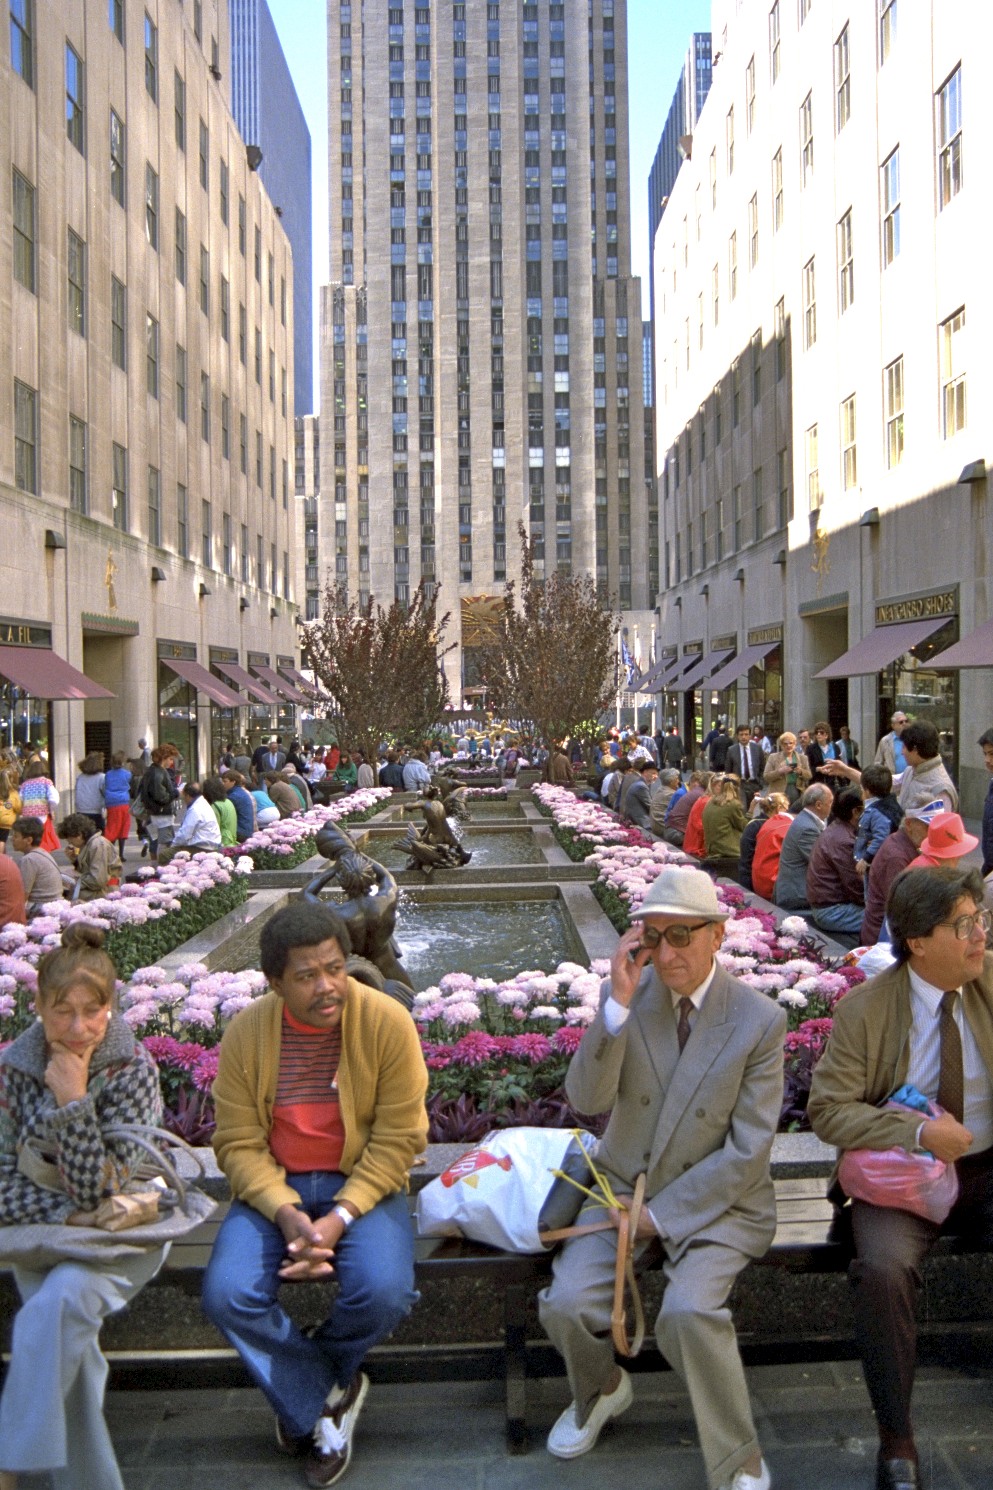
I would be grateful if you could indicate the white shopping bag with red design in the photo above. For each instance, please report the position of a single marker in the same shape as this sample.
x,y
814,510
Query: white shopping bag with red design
x,y
503,1192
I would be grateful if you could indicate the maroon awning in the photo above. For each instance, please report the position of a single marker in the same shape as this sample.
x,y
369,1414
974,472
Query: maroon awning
x,y
44,674
251,685
974,650
280,684
297,679
675,670
204,682
699,676
733,670
881,647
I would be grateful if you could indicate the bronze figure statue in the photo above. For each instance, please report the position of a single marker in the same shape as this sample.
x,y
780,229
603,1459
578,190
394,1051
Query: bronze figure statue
x,y
435,845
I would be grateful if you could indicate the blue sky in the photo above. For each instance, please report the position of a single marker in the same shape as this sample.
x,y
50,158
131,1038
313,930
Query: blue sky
x,y
658,33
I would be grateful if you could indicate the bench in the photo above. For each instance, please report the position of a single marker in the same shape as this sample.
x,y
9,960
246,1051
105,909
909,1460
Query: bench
x,y
477,1318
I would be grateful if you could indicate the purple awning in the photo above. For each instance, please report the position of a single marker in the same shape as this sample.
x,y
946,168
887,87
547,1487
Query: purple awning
x,y
243,680
881,647
733,670
974,650
204,682
44,674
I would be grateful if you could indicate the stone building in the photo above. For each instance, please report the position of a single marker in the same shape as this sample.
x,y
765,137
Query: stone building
x,y
820,310
481,335
146,391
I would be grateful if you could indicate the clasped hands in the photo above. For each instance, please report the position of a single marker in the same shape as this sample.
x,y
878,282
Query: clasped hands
x,y
309,1244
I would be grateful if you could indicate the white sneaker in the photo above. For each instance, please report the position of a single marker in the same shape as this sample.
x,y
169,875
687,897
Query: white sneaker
x,y
568,1440
742,1480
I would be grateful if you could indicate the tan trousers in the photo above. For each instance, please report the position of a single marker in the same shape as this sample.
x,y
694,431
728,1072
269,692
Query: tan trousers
x,y
694,1330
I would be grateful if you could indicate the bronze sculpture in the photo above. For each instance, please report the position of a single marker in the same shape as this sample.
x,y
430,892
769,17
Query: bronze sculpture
x,y
435,845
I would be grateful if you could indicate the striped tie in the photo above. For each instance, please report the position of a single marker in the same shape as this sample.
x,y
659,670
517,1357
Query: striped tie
x,y
951,1082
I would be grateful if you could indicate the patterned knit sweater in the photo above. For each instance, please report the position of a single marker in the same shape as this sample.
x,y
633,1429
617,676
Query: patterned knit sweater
x,y
123,1088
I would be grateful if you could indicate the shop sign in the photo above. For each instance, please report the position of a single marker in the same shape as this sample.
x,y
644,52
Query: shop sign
x,y
223,654
185,651
14,633
765,636
918,607
693,649
668,654
724,643
257,659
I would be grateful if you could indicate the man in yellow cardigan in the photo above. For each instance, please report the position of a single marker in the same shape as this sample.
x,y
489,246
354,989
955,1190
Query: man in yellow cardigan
x,y
320,1111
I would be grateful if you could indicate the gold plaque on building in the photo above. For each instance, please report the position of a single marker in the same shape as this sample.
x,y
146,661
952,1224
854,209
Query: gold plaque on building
x,y
481,616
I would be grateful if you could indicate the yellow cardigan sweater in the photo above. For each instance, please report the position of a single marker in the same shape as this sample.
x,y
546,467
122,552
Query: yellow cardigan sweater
x,y
382,1082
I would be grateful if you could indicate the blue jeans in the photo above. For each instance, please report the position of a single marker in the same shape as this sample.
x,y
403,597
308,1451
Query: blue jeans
x,y
374,1269
840,918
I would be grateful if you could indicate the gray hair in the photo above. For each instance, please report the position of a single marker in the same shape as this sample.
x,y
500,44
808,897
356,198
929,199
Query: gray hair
x,y
816,793
669,777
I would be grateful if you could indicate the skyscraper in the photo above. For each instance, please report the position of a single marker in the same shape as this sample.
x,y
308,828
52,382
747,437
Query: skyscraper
x,y
481,331
269,116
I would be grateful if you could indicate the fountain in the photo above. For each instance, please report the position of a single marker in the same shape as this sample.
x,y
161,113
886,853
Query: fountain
x,y
438,843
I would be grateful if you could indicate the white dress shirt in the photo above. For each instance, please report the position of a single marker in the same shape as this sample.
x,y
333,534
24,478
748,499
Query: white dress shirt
x,y
199,827
615,1015
925,1060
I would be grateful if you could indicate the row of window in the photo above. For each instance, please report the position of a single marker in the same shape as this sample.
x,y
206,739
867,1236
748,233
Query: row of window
x,y
727,527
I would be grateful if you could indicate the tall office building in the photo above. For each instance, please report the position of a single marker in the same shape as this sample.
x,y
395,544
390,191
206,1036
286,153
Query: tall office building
x,y
268,113
481,333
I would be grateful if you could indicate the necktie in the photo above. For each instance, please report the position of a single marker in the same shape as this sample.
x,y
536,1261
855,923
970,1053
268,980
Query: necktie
x,y
683,1027
951,1084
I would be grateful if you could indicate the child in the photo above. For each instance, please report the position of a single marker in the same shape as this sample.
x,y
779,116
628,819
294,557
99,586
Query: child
x,y
881,816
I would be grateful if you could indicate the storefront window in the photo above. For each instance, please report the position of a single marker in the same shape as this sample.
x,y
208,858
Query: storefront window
x,y
259,726
925,692
23,719
224,732
178,719
765,694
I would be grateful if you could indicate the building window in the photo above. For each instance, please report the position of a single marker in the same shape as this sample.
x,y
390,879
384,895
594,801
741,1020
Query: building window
x,y
757,505
780,335
180,247
117,19
849,465
949,103
750,96
151,206
246,558
272,473
806,139
154,508
735,393
198,19
258,356
890,191
225,426
181,383
732,266
893,398
182,521
226,556
715,292
151,58
242,335
805,9
119,487
952,334
75,117
272,280
737,521
24,231
756,368
729,139
21,42
205,407
784,512
179,88
77,464
258,459
224,192
713,178
774,42
809,306
258,255
25,438
225,309
117,174
777,190
76,282
814,497
118,324
753,231
842,82
152,355
887,29
204,156
243,444
206,536
846,264
242,220
204,280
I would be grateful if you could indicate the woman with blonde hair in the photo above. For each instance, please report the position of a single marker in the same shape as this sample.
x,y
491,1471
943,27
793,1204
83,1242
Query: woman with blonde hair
x,y
10,801
769,844
724,821
787,770
66,1083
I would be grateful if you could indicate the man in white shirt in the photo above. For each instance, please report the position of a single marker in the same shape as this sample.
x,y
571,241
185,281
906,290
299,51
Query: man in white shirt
x,y
926,1022
199,828
416,775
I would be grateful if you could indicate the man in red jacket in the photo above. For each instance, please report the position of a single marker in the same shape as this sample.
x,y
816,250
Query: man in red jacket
x,y
12,904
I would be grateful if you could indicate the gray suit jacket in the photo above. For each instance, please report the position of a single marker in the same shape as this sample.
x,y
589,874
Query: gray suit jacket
x,y
790,892
700,1124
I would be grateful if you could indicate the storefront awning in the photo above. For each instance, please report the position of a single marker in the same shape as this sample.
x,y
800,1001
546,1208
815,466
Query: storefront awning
x,y
44,674
646,683
250,685
699,675
280,684
673,669
204,682
734,669
298,680
974,650
881,647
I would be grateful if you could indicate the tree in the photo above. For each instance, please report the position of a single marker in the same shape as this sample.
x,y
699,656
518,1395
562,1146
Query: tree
x,y
552,666
381,668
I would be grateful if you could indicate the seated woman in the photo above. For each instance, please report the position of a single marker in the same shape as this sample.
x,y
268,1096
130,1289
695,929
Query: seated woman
x,y
762,810
215,793
724,821
769,843
73,1073
266,811
94,858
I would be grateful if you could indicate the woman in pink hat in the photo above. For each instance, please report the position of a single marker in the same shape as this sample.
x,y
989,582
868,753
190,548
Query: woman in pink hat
x,y
946,839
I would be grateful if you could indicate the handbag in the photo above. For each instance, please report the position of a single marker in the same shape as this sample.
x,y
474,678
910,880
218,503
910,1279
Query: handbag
x,y
899,1180
179,1206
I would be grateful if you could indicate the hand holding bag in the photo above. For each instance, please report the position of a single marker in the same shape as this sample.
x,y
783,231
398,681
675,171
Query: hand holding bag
x,y
915,1182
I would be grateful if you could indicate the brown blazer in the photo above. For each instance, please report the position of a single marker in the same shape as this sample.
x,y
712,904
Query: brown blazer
x,y
868,1055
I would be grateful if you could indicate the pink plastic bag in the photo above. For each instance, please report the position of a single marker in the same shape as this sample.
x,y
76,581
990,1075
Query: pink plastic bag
x,y
919,1183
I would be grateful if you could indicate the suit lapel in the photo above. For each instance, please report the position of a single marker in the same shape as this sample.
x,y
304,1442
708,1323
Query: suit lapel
x,y
657,1026
711,1032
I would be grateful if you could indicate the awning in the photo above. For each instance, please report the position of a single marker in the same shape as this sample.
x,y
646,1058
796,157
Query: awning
x,y
647,683
280,684
974,650
44,674
299,681
881,647
243,680
676,667
203,682
699,675
733,670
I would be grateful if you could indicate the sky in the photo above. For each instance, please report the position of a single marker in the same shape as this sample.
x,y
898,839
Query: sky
x,y
658,35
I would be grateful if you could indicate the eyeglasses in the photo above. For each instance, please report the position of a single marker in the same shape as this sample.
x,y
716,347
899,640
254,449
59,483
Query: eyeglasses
x,y
676,936
964,926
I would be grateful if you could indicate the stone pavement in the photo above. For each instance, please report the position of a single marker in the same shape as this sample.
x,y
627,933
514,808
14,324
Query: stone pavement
x,y
814,1422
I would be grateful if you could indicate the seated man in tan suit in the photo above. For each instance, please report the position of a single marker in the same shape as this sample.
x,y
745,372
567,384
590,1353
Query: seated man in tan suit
x,y
690,1060
928,1021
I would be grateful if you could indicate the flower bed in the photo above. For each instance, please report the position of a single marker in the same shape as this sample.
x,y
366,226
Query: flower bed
x,y
490,793
293,840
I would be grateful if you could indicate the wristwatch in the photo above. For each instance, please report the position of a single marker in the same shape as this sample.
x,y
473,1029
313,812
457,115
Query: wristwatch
x,y
345,1216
